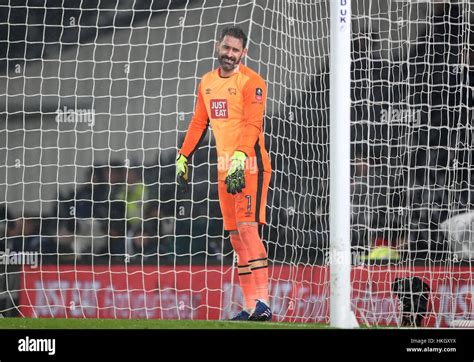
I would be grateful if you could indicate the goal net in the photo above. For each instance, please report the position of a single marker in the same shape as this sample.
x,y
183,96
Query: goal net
x,y
96,99
412,129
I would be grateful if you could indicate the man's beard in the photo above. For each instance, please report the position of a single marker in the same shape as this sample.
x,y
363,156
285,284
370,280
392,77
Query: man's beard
x,y
228,64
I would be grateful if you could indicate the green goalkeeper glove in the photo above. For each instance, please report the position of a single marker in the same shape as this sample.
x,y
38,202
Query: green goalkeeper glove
x,y
182,173
235,179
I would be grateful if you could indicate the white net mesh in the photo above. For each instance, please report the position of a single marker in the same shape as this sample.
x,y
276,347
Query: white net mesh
x,y
96,98
412,151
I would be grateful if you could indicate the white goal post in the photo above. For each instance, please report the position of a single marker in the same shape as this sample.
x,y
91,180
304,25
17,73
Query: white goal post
x,y
341,314
368,124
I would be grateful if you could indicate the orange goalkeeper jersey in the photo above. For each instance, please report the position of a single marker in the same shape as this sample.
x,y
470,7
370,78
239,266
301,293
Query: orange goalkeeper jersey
x,y
234,106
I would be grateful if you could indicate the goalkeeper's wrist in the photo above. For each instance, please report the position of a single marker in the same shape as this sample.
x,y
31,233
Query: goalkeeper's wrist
x,y
239,155
181,155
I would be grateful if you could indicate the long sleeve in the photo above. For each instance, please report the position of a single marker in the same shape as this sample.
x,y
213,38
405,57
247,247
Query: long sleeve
x,y
254,95
197,128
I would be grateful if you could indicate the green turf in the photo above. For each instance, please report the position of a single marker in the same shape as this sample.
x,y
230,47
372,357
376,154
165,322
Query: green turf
x,y
60,323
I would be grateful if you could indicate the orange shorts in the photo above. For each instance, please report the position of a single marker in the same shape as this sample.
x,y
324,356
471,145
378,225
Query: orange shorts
x,y
248,205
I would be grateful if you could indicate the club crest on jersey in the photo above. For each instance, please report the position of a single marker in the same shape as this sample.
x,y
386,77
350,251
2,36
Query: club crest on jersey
x,y
219,108
258,94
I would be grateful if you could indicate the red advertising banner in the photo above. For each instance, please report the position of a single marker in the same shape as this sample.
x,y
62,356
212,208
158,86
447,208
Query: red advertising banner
x,y
298,293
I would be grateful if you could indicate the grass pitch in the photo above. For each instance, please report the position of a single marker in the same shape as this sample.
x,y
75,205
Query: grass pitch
x,y
63,323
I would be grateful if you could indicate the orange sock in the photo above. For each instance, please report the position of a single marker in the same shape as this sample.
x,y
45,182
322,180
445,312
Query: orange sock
x,y
246,280
258,258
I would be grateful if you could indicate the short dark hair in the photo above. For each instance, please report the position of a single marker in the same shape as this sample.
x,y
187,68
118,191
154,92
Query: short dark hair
x,y
234,32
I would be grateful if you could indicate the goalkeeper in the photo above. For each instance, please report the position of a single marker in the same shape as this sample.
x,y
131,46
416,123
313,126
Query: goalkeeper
x,y
232,99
